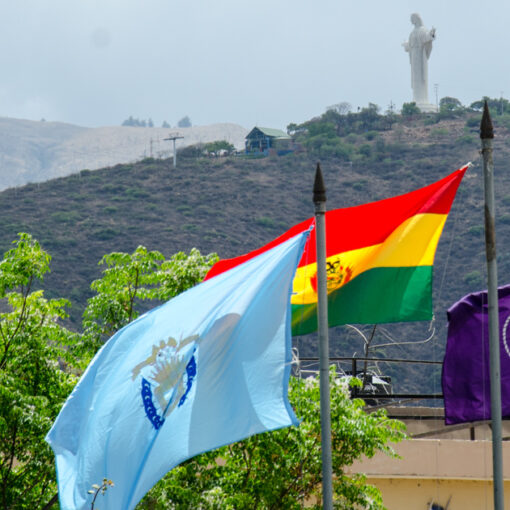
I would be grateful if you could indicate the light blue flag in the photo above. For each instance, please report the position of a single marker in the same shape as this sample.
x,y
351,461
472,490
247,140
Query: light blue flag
x,y
208,368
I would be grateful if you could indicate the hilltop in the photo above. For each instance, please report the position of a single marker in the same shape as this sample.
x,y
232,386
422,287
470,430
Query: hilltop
x,y
233,205
38,151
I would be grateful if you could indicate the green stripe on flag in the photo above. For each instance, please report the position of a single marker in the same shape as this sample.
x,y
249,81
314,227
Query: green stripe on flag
x,y
379,295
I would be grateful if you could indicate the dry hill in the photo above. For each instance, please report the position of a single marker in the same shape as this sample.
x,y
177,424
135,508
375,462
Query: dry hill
x,y
37,151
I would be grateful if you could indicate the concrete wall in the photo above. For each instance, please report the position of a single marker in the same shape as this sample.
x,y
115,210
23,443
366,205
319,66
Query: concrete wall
x,y
413,494
437,470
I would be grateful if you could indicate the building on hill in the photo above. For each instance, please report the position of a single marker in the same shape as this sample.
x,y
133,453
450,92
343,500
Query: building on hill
x,y
264,140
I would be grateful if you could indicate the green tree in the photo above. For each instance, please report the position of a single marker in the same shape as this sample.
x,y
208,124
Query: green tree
x,y
292,128
369,117
35,376
130,121
391,115
37,372
184,122
218,147
450,104
237,476
192,151
320,136
342,108
181,272
127,280
38,356
131,279
282,469
450,107
410,110
497,106
133,122
365,150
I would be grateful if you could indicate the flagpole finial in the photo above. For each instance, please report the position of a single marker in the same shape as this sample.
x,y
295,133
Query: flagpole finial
x,y
486,128
319,190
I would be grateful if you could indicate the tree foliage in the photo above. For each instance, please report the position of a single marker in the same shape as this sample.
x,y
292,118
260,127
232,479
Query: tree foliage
x,y
451,104
324,136
342,108
282,469
184,122
191,151
497,106
131,279
39,366
410,109
35,376
135,122
38,355
449,108
391,114
218,148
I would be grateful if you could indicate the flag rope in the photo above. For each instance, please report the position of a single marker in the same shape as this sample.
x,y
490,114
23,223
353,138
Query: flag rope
x,y
437,301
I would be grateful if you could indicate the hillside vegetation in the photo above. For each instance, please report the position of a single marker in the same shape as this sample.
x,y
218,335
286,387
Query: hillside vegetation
x,y
233,205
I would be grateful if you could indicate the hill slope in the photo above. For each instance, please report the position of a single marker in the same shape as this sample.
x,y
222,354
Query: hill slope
x,y
37,151
234,205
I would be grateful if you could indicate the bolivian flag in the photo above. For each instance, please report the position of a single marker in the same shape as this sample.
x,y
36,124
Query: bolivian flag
x,y
379,263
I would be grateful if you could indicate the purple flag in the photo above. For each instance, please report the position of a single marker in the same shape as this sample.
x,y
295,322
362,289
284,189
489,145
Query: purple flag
x,y
466,371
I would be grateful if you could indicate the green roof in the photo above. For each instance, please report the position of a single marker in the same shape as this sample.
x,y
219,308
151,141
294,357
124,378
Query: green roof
x,y
273,133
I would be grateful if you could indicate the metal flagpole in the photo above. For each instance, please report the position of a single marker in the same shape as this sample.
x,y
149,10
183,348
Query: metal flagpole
x,y
487,134
319,199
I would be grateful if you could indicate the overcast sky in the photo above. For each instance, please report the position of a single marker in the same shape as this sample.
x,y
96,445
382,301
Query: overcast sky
x,y
267,63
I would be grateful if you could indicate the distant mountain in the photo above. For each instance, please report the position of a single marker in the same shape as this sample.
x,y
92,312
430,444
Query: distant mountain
x,y
37,151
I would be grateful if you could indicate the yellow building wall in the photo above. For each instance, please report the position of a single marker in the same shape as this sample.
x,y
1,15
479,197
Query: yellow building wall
x,y
435,471
414,494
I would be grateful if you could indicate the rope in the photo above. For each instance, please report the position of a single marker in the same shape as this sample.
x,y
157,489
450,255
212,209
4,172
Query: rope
x,y
454,229
432,337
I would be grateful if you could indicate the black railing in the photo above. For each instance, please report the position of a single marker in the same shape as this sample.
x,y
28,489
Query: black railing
x,y
379,395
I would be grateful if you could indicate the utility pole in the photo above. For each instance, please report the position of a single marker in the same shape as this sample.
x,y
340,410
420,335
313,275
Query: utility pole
x,y
173,138
487,135
436,88
319,199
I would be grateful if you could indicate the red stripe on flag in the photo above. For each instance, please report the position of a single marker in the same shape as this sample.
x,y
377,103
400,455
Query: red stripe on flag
x,y
363,225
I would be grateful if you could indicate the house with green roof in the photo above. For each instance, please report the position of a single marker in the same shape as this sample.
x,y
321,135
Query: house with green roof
x,y
262,140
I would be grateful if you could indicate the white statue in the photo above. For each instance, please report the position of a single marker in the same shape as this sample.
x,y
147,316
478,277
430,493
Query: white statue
x,y
419,48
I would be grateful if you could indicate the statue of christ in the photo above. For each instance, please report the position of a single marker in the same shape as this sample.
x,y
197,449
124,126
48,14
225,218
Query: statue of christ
x,y
419,47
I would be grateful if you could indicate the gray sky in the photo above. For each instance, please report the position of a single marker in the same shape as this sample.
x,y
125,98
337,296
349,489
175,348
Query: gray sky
x,y
267,63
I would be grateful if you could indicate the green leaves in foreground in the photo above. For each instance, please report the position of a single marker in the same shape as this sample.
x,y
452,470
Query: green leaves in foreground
x,y
40,361
131,279
282,469
34,378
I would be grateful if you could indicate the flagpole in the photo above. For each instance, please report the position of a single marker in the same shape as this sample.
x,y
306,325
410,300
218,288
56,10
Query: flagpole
x,y
486,135
319,199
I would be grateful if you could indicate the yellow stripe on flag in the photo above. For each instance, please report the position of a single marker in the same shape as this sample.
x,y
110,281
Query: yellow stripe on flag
x,y
412,243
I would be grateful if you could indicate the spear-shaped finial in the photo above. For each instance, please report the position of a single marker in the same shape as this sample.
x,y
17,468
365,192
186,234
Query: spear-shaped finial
x,y
487,135
319,199
486,128
319,190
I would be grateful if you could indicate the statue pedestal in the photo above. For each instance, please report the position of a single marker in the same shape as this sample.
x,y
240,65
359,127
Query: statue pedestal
x,y
427,107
